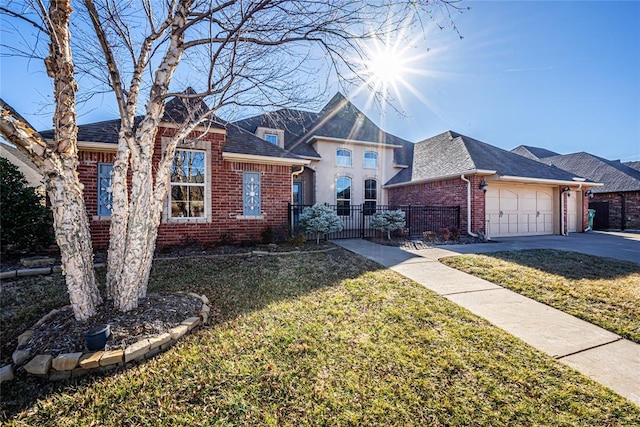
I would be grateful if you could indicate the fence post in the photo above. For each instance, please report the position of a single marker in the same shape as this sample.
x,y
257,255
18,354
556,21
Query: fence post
x,y
410,225
290,218
362,221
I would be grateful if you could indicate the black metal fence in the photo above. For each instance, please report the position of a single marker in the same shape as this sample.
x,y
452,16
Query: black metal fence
x,y
356,219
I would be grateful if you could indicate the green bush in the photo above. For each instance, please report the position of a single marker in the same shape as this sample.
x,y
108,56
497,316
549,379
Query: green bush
x,y
25,222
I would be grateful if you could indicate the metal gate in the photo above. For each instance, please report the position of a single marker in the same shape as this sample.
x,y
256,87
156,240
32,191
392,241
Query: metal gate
x,y
356,219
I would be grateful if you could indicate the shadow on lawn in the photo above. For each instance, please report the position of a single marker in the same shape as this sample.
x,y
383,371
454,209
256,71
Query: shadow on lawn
x,y
234,285
571,265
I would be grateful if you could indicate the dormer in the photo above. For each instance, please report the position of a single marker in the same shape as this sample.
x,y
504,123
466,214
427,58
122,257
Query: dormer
x,y
271,135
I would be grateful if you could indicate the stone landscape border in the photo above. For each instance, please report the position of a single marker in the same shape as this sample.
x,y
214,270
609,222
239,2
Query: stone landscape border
x,y
74,365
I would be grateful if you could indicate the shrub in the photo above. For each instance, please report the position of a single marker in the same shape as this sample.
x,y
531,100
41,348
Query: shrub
x,y
320,219
455,234
388,221
445,233
429,236
26,223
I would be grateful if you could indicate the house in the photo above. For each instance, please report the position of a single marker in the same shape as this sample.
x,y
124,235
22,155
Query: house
x,y
501,193
633,165
350,156
617,201
226,183
25,165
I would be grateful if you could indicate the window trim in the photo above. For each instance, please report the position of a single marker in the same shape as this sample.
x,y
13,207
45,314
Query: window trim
x,y
198,145
368,209
364,160
101,213
245,212
338,156
275,135
340,210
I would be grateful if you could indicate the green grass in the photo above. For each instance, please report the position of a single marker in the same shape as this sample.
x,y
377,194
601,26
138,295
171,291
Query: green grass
x,y
325,339
602,291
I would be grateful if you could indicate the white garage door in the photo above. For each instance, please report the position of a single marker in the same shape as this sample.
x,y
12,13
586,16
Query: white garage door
x,y
519,210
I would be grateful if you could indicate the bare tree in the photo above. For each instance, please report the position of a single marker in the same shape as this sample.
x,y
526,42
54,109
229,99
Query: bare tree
x,y
233,53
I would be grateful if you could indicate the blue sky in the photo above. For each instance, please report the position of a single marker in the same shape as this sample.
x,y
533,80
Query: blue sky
x,y
563,75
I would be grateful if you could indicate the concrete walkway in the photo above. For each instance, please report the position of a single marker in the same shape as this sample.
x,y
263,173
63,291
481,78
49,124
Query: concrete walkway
x,y
593,351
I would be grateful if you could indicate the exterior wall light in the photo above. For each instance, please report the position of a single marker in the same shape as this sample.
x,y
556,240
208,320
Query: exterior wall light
x,y
589,194
483,186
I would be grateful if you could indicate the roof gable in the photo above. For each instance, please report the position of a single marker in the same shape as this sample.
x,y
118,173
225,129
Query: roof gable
x,y
533,153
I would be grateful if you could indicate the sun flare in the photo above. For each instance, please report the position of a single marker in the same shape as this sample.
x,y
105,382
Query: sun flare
x,y
386,67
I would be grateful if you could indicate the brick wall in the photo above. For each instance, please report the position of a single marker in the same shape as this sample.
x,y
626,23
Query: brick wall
x,y
226,198
450,192
631,208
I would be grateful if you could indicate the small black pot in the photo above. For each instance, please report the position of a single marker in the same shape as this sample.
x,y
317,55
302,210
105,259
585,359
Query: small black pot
x,y
97,337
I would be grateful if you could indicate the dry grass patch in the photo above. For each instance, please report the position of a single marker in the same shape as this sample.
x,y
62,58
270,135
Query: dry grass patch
x,y
328,339
602,291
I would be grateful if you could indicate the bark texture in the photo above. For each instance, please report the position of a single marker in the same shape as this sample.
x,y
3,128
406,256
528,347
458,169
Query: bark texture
x,y
58,160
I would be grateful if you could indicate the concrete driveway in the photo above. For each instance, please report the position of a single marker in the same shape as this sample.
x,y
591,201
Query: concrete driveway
x,y
618,245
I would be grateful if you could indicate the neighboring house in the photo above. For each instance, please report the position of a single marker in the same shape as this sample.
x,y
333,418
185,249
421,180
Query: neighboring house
x,y
617,201
225,182
25,165
350,157
633,165
501,193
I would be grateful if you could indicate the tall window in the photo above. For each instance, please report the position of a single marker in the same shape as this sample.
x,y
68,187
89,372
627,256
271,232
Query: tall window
x,y
105,196
188,184
271,138
343,157
370,196
251,193
370,160
343,195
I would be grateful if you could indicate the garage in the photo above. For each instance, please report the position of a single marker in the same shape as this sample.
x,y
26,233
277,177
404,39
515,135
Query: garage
x,y
519,210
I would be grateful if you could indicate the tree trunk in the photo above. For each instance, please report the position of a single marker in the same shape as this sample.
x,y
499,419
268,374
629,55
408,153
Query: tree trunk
x,y
74,239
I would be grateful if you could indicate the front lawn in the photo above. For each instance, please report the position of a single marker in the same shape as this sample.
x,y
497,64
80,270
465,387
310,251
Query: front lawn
x,y
602,291
325,339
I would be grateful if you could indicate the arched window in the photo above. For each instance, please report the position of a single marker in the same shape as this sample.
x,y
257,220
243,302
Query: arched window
x,y
343,157
370,160
370,196
343,195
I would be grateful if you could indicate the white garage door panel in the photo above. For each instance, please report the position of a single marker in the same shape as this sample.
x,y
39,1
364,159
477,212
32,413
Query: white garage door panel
x,y
519,211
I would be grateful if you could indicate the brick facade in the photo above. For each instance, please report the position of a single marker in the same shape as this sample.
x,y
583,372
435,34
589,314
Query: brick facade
x,y
449,192
631,208
224,219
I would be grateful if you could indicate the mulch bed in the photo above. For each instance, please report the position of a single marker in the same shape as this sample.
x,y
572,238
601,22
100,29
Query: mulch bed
x,y
156,314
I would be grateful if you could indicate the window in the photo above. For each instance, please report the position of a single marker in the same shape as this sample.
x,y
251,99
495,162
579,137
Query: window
x,y
188,184
271,138
251,193
343,157
105,196
343,195
370,160
370,196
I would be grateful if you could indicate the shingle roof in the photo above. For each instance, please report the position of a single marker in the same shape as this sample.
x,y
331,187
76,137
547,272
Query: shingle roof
x,y
295,123
534,153
452,153
176,111
338,119
633,165
614,175
241,141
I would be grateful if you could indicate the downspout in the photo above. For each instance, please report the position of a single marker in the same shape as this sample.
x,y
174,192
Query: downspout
x,y
462,177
